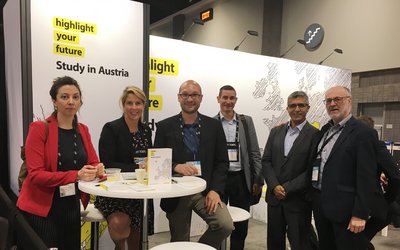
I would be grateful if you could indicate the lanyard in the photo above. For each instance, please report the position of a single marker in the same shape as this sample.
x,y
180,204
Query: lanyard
x,y
191,145
327,139
237,128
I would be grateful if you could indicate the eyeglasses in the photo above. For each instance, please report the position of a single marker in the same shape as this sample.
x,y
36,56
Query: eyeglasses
x,y
186,96
336,99
300,105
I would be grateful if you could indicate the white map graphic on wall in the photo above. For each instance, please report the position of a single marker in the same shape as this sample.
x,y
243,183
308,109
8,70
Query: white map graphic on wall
x,y
262,83
308,77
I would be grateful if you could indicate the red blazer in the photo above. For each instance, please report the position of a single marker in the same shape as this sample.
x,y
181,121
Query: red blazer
x,y
37,191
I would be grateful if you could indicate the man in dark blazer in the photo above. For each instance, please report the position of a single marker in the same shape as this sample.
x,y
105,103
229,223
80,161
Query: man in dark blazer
x,y
344,175
198,148
285,164
245,179
388,177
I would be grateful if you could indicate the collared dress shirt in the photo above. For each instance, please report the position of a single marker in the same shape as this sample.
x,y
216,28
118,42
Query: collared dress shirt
x,y
335,130
291,135
230,134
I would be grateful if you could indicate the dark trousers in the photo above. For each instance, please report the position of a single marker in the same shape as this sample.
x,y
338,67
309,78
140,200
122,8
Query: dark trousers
x,y
62,227
295,221
334,235
237,194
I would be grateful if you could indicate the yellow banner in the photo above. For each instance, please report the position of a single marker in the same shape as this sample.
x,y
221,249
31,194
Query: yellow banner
x,y
163,67
74,26
66,37
155,102
65,50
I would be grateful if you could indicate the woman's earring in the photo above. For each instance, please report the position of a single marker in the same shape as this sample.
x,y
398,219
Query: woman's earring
x,y
55,108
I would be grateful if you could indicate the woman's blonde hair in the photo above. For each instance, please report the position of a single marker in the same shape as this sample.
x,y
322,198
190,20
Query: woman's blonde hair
x,y
133,90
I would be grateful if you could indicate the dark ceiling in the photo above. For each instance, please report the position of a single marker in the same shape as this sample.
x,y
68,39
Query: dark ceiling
x,y
158,8
163,8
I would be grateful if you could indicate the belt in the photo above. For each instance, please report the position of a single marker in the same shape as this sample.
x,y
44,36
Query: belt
x,y
316,190
235,172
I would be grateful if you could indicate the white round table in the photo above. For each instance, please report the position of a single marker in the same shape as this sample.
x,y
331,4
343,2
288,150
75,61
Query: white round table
x,y
130,189
182,245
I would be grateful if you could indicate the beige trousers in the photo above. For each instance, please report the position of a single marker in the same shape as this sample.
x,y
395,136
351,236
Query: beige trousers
x,y
220,223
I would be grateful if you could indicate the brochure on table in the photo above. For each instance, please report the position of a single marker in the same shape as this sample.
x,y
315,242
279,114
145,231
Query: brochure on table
x,y
159,165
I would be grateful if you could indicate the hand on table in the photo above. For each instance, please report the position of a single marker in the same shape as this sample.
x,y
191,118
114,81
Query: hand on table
x,y
100,170
87,173
186,169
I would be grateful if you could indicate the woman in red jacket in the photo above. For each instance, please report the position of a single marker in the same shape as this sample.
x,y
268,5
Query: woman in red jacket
x,y
49,197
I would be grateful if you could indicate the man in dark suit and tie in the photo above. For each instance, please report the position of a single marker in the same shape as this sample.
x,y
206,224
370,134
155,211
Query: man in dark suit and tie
x,y
286,160
244,175
198,148
343,175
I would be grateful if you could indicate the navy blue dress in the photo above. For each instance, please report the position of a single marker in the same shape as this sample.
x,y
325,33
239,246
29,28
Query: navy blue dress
x,y
118,148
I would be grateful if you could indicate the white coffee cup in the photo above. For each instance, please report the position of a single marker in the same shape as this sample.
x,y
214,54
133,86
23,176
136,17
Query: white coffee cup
x,y
140,175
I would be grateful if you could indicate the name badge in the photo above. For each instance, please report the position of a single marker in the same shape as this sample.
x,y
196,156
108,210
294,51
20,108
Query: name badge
x,y
140,160
67,190
315,170
233,151
197,165
140,157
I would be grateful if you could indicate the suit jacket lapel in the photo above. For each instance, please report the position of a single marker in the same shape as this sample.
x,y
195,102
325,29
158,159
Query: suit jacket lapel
x,y
299,139
281,140
242,135
203,143
348,128
176,127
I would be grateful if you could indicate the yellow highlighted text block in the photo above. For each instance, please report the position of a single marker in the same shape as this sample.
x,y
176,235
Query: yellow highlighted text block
x,y
66,50
66,37
155,102
163,67
74,26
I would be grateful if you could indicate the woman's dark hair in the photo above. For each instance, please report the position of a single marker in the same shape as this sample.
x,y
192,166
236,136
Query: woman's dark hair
x,y
57,84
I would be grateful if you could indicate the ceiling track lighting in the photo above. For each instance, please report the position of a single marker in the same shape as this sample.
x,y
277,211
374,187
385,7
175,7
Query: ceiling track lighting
x,y
249,32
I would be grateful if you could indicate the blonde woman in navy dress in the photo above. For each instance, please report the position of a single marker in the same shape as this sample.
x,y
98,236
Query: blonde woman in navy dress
x,y
123,144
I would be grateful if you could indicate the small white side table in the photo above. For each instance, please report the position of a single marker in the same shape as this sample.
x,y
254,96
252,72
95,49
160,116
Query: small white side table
x,y
238,214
